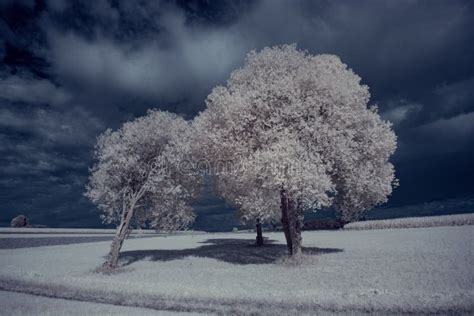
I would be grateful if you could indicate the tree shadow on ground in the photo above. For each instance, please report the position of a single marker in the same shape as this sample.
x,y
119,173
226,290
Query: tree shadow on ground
x,y
237,251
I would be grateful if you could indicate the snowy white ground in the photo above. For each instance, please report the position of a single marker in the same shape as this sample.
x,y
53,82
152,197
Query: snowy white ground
x,y
392,270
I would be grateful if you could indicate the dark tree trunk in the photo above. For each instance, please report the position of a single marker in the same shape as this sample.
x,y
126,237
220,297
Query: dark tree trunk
x,y
297,228
285,220
342,223
259,233
292,222
117,243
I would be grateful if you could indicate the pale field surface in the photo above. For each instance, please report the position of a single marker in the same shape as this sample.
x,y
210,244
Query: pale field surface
x,y
54,235
32,230
414,222
13,303
422,270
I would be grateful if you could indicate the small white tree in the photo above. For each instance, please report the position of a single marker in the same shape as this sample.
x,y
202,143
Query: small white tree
x,y
300,136
138,172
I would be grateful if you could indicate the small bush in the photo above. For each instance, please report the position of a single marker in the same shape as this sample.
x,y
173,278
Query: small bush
x,y
322,224
19,221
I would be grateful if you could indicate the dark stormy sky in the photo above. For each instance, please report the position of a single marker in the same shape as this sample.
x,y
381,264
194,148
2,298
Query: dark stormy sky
x,y
71,69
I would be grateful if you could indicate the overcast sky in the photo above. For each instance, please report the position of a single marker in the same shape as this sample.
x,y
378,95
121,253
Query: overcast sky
x,y
71,69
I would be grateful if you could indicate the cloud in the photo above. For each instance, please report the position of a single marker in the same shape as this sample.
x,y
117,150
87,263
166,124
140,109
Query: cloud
x,y
442,102
454,98
455,134
45,154
184,68
400,111
159,53
31,91
57,5
72,127
27,3
19,161
457,131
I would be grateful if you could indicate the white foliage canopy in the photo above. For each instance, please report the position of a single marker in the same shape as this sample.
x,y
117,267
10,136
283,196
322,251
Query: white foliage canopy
x,y
138,167
289,120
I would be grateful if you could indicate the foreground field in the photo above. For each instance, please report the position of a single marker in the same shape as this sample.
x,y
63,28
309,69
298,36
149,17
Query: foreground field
x,y
393,270
13,303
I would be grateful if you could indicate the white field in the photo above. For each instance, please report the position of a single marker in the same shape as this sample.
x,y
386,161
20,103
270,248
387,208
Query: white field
x,y
76,231
414,222
14,303
423,270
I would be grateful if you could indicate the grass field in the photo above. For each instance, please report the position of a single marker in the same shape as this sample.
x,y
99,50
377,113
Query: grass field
x,y
414,222
421,270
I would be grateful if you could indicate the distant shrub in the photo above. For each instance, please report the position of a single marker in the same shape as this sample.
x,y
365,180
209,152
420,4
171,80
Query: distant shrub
x,y
322,224
19,221
413,222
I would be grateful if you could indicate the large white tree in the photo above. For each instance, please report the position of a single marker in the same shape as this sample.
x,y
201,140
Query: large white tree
x,y
300,136
143,173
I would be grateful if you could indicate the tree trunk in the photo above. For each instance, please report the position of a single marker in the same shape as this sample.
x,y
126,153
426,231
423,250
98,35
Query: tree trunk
x,y
297,228
120,235
342,223
285,220
292,221
259,233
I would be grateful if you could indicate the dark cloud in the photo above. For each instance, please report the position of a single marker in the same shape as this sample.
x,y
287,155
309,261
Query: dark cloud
x,y
161,52
33,91
70,69
455,134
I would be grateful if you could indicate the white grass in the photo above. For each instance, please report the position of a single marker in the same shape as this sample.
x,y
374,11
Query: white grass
x,y
58,235
79,231
425,270
13,303
414,222
31,230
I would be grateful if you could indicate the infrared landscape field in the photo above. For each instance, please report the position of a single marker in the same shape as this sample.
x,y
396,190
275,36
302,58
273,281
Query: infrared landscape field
x,y
414,270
